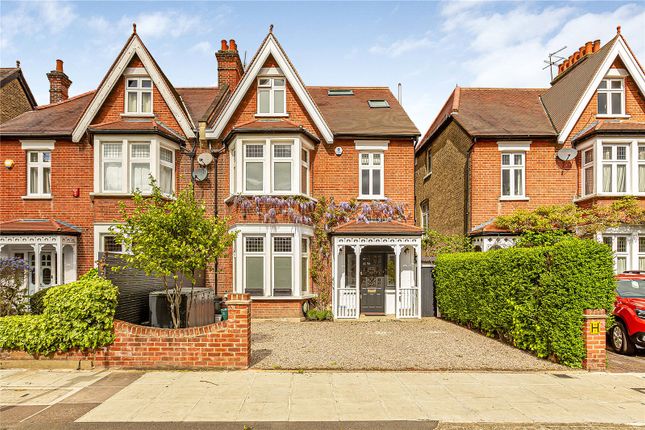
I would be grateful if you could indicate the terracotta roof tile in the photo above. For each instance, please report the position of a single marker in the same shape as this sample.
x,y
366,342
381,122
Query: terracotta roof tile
x,y
376,228
142,125
30,226
610,127
198,100
352,116
55,119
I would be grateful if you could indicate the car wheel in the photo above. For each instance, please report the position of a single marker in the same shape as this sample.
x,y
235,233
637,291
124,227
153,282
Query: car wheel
x,y
620,341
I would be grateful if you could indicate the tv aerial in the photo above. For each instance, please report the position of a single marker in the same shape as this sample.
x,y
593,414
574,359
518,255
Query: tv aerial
x,y
554,59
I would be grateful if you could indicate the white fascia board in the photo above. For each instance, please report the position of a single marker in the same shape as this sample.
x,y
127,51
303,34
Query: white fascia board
x,y
270,48
519,146
371,145
618,50
135,47
32,145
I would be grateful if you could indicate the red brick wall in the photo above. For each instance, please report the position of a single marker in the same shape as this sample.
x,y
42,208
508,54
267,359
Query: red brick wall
x,y
595,343
226,344
548,181
277,308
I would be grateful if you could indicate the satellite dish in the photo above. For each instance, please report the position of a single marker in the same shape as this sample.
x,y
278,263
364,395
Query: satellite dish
x,y
204,159
339,150
567,154
200,173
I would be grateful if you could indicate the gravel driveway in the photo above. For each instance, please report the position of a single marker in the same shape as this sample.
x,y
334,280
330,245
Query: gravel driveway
x,y
428,344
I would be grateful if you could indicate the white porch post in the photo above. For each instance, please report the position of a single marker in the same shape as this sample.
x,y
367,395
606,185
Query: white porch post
x,y
357,251
36,248
397,278
59,261
74,263
334,277
297,264
417,249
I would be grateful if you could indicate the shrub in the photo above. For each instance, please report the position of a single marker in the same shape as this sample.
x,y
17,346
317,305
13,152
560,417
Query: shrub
x,y
12,292
531,297
319,314
78,315
36,301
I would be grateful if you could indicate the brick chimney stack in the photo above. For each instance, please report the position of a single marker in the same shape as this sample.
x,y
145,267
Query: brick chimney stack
x,y
229,65
59,84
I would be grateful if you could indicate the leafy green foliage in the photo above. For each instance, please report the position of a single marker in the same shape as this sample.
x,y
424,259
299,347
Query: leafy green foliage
x,y
171,236
435,243
36,301
319,314
542,238
532,297
78,315
574,219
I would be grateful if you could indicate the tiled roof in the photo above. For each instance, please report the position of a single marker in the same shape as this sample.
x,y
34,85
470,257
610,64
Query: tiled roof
x,y
141,125
489,227
5,72
199,99
451,105
8,74
375,228
610,127
271,125
567,88
56,119
31,226
352,116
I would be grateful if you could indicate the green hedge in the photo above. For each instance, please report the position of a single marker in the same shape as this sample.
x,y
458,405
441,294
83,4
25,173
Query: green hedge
x,y
531,297
78,315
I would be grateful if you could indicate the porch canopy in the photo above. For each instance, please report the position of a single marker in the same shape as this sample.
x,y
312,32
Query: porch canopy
x,y
48,246
376,270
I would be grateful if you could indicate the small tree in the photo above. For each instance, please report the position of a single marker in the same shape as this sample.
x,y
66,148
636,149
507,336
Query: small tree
x,y
170,237
435,243
12,290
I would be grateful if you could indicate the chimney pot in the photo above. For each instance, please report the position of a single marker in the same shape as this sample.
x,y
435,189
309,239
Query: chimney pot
x,y
618,29
229,65
560,68
224,45
588,48
59,84
576,56
596,45
59,66
233,45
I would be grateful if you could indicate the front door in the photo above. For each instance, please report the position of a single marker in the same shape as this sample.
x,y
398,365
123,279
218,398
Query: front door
x,y
373,278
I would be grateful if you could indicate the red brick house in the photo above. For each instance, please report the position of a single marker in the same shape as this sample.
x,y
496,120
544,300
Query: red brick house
x,y
491,151
261,139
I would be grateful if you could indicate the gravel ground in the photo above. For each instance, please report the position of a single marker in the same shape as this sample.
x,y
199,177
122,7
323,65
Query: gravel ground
x,y
428,344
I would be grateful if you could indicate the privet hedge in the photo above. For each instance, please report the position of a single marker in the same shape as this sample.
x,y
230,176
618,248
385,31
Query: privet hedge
x,y
531,297
78,315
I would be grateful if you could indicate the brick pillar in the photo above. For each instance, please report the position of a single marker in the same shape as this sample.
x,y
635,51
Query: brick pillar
x,y
593,333
239,320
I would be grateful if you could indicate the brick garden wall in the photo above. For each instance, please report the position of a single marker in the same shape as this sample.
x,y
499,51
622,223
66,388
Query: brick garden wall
x,y
226,344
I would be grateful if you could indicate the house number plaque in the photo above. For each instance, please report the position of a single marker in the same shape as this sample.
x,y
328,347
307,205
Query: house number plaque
x,y
595,328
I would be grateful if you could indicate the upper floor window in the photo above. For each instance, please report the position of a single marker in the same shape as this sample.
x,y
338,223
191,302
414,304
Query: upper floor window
x,y
587,172
272,96
428,161
611,97
371,175
270,166
138,95
513,174
126,166
425,214
39,173
615,159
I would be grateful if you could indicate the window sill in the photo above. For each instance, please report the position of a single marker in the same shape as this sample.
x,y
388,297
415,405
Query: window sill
x,y
230,198
305,296
606,196
514,199
427,176
605,116
377,198
35,197
138,115
271,115
125,195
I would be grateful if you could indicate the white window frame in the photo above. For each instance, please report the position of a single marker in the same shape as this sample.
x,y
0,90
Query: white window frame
x,y
586,165
626,255
512,167
305,246
139,90
271,88
136,160
262,160
371,167
275,159
429,162
40,167
305,164
614,162
170,164
425,214
282,254
255,254
640,252
609,91
126,160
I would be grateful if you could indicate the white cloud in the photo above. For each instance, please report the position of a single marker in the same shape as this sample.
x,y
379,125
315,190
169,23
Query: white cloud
x,y
162,24
202,47
47,18
402,46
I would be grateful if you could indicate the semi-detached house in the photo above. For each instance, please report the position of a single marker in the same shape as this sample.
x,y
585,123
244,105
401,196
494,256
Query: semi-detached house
x,y
491,151
274,143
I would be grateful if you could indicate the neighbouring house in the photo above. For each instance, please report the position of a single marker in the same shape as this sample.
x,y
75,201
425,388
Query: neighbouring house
x,y
15,93
491,151
260,148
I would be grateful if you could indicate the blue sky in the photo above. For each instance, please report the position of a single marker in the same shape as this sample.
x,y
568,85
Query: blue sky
x,y
427,46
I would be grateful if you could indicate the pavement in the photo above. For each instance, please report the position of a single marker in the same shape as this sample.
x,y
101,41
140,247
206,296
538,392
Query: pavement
x,y
326,400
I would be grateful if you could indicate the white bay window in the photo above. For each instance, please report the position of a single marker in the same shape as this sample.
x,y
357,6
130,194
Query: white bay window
x,y
627,244
269,166
125,165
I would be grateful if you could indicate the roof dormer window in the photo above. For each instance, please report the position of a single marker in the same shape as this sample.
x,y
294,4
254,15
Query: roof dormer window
x,y
138,96
272,96
611,97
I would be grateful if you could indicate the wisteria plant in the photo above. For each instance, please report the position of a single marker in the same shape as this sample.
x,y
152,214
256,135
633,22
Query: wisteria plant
x,y
12,290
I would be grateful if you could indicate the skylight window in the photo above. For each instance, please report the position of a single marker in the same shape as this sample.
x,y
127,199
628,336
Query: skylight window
x,y
340,92
378,104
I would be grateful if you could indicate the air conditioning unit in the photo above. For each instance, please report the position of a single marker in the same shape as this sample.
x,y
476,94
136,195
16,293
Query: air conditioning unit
x,y
201,313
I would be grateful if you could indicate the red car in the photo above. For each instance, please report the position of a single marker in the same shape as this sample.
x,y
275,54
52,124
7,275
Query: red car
x,y
628,331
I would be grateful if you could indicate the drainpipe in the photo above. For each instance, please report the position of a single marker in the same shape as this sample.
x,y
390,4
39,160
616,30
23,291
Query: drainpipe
x,y
215,154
